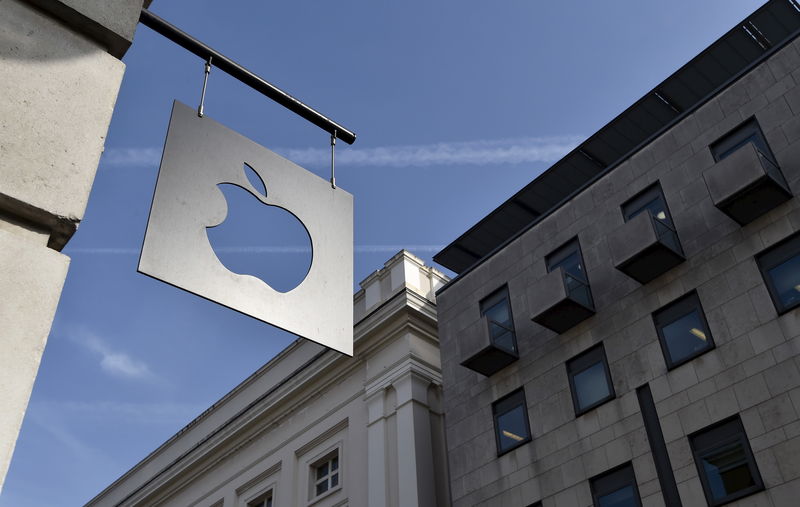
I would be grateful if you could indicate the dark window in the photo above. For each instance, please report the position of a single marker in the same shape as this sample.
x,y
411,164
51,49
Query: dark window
x,y
569,258
497,310
725,462
536,504
747,132
262,501
652,200
590,379
511,425
682,330
325,474
780,267
616,488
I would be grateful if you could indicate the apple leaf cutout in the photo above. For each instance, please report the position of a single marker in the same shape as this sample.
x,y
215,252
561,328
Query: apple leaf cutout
x,y
255,180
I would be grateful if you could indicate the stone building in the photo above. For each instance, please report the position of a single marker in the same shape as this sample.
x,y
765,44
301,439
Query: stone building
x,y
625,329
315,427
60,72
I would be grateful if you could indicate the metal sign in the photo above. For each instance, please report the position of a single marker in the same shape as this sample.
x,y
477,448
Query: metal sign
x,y
200,154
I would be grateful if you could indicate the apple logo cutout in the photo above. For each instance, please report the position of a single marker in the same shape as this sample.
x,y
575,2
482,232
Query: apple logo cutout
x,y
260,239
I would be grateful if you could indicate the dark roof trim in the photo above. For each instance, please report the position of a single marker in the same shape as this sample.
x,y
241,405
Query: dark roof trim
x,y
689,110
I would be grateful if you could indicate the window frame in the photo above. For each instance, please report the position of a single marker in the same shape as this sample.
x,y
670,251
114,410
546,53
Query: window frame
x,y
313,480
490,302
772,257
671,312
732,430
738,137
613,480
512,400
581,362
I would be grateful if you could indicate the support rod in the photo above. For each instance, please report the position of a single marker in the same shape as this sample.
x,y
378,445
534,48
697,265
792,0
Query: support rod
x,y
235,70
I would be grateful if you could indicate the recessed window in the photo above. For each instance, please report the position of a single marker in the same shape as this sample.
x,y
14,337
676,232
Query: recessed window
x,y
497,311
748,132
569,258
652,200
511,425
590,379
325,474
780,267
616,488
264,500
682,330
725,462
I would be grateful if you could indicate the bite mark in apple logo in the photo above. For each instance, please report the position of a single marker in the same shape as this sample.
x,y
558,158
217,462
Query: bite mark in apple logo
x,y
246,241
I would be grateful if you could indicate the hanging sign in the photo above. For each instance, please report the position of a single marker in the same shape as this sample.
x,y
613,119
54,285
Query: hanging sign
x,y
200,154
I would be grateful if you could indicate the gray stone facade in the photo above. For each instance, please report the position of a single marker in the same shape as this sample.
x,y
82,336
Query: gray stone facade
x,y
753,371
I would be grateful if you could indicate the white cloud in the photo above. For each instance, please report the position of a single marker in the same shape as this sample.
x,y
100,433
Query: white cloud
x,y
114,362
487,152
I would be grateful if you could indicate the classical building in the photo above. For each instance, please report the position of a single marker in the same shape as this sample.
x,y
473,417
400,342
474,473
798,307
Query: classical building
x,y
315,427
60,72
625,330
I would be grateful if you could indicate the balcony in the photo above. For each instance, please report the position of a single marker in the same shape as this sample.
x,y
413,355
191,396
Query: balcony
x,y
746,184
495,344
645,247
560,301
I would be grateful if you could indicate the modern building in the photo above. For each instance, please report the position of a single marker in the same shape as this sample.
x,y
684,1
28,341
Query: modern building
x,y
60,71
625,329
315,427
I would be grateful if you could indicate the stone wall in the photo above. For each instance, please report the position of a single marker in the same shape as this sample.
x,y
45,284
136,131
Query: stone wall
x,y
753,371
59,77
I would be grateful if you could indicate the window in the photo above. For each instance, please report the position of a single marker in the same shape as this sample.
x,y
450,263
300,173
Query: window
x,y
616,488
511,426
325,474
780,267
682,330
497,310
569,258
590,379
747,132
264,500
725,462
652,200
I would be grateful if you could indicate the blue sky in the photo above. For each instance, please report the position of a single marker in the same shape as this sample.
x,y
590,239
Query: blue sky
x,y
457,105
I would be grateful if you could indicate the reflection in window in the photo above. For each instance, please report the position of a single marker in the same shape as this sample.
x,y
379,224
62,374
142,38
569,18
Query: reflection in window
x,y
725,462
497,310
511,422
569,258
683,330
780,267
589,379
786,278
616,488
652,200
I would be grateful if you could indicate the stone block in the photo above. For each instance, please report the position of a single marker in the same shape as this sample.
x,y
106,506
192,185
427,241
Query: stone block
x,y
110,22
51,134
751,391
32,279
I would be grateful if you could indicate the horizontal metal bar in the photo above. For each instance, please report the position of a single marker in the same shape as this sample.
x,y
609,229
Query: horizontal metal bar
x,y
235,70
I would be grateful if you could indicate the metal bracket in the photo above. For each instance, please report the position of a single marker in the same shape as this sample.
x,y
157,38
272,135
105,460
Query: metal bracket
x,y
205,84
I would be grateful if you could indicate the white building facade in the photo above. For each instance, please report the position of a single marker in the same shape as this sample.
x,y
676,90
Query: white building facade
x,y
314,427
